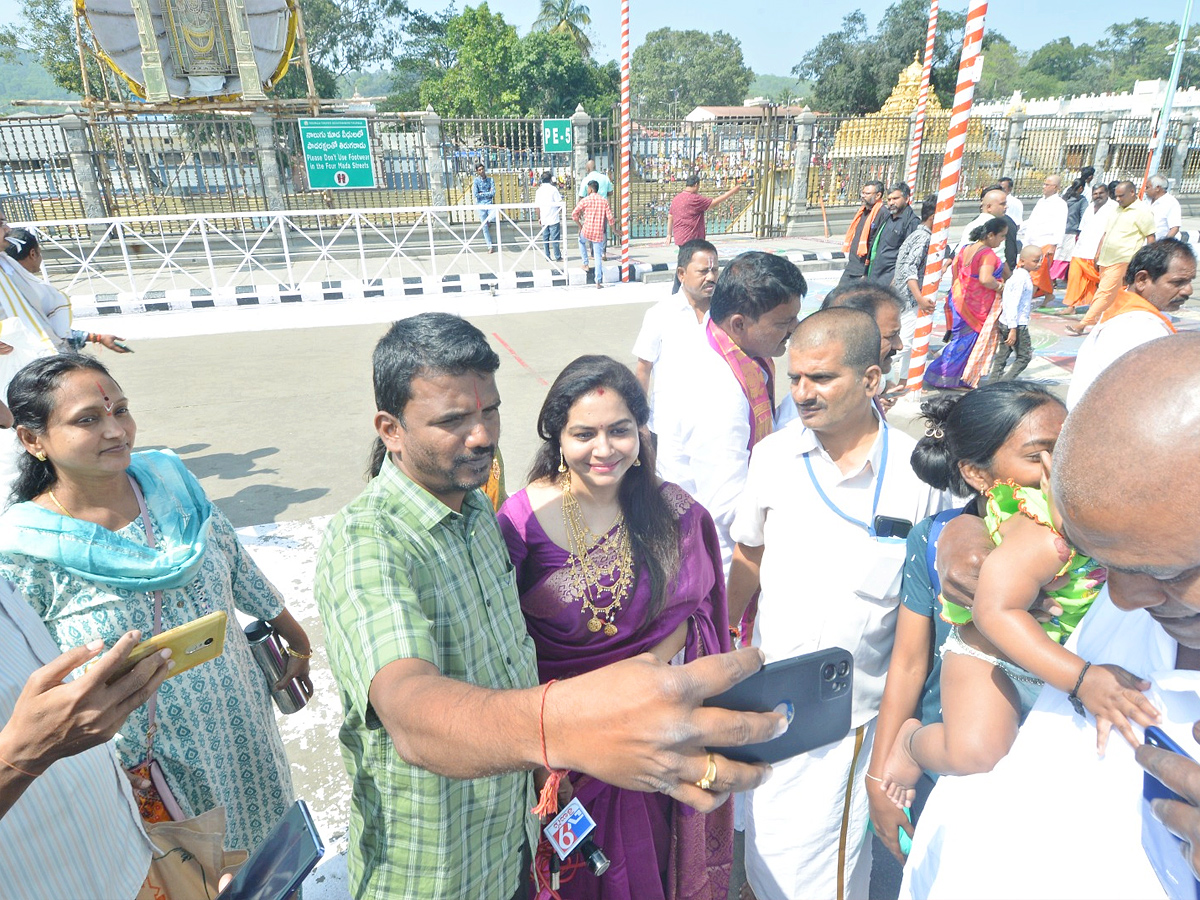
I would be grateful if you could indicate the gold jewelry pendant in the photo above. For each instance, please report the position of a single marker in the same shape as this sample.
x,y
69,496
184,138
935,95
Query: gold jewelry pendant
x,y
609,629
594,624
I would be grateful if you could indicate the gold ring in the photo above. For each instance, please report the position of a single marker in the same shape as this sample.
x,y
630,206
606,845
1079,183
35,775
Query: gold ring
x,y
710,774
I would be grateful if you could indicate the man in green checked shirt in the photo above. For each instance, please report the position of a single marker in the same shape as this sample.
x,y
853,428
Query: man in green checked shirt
x,y
443,714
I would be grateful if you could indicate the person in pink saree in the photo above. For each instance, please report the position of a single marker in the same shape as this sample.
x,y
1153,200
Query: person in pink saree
x,y
610,563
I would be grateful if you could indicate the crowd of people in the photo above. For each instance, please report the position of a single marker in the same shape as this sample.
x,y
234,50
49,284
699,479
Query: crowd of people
x,y
682,523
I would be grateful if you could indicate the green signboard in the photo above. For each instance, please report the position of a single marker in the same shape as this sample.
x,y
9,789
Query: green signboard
x,y
557,135
337,153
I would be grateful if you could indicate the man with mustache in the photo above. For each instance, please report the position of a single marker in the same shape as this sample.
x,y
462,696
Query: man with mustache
x,y
444,718
1157,282
820,527
1125,484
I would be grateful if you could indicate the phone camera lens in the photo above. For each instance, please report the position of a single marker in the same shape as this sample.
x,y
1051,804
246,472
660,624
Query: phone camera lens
x,y
828,672
843,669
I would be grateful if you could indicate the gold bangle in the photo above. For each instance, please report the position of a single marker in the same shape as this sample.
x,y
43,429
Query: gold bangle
x,y
297,655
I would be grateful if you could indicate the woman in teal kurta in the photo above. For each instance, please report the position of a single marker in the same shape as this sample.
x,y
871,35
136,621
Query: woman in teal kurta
x,y
87,568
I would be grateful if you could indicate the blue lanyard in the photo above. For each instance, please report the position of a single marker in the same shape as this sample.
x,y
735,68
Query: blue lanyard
x,y
870,527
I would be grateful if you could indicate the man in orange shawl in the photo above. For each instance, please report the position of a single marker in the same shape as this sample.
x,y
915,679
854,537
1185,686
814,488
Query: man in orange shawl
x,y
1157,282
1045,227
861,233
1083,277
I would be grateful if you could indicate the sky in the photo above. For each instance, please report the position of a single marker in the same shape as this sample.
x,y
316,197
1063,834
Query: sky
x,y
771,47
775,34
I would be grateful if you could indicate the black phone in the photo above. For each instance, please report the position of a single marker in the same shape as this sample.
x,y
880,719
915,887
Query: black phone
x,y
888,527
812,690
281,863
1161,846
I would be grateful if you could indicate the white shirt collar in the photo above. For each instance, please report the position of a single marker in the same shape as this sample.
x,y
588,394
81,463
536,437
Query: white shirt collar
x,y
806,441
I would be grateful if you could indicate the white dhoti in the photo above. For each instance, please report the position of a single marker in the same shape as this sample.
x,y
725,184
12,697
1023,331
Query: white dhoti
x,y
806,831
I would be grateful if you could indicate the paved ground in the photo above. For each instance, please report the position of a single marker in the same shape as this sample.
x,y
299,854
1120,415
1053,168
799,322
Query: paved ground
x,y
271,408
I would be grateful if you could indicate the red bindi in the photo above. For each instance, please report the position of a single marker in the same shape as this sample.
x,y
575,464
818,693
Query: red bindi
x,y
600,391
108,406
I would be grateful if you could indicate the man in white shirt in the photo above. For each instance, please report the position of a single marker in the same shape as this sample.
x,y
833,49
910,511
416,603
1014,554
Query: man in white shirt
x,y
820,528
1044,228
1083,277
69,825
1158,281
1168,217
549,202
674,321
719,401
1012,204
1090,807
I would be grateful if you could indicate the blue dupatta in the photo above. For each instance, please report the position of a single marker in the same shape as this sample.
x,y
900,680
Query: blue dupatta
x,y
176,502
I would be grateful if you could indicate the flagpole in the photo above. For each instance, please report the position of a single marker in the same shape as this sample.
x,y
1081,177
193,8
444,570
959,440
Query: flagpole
x,y
914,153
956,140
626,136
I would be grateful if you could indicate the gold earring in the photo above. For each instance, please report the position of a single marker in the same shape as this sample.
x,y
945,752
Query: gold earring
x,y
562,463
40,456
636,462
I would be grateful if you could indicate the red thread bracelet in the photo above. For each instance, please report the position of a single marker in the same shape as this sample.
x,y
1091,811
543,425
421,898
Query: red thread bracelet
x,y
22,771
547,804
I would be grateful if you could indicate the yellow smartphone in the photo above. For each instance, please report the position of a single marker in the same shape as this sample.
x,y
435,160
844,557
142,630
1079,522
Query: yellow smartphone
x,y
192,643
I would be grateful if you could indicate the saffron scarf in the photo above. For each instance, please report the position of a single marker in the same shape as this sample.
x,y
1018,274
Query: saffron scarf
x,y
862,249
174,499
748,370
1128,301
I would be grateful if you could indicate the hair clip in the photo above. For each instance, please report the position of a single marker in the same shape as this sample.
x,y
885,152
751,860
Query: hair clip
x,y
934,432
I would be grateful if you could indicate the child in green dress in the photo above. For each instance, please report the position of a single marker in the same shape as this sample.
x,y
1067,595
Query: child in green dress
x,y
998,654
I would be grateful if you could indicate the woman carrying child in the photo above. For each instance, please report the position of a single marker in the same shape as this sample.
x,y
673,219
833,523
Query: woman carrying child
x,y
997,655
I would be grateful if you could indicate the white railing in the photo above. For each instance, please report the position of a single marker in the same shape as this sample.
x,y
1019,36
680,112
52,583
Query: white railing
x,y
222,254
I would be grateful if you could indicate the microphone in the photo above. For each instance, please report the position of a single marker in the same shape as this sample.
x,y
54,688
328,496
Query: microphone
x,y
568,833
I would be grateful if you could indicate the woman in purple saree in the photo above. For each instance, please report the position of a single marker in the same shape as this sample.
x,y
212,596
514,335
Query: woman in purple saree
x,y
611,563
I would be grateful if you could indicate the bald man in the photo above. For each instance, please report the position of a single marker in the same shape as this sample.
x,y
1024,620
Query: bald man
x,y
1158,281
992,204
1044,227
1126,482
820,528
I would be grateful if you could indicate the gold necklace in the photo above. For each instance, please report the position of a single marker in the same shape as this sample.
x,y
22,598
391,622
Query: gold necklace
x,y
592,581
59,505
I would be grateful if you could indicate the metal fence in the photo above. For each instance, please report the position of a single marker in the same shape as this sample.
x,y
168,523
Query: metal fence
x,y
113,165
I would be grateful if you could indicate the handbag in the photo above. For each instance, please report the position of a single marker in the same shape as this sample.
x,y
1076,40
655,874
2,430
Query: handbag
x,y
156,803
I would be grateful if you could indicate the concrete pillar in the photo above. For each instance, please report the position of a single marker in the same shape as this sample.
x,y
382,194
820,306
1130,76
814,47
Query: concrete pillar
x,y
268,162
1182,146
435,166
87,179
581,124
1100,161
801,158
1012,145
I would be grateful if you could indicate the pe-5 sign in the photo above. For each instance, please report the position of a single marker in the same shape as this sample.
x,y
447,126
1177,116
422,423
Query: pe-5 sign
x,y
337,153
557,136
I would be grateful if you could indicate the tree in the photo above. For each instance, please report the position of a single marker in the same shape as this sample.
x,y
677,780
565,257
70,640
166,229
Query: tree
x,y
1137,51
478,82
553,76
46,33
685,69
1001,69
842,71
427,55
854,73
566,17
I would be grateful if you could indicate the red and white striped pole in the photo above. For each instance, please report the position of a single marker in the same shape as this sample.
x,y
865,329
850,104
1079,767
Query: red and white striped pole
x,y
626,135
956,140
914,153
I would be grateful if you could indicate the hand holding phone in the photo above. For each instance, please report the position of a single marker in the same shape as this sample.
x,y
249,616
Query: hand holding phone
x,y
813,690
282,861
1164,838
192,643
